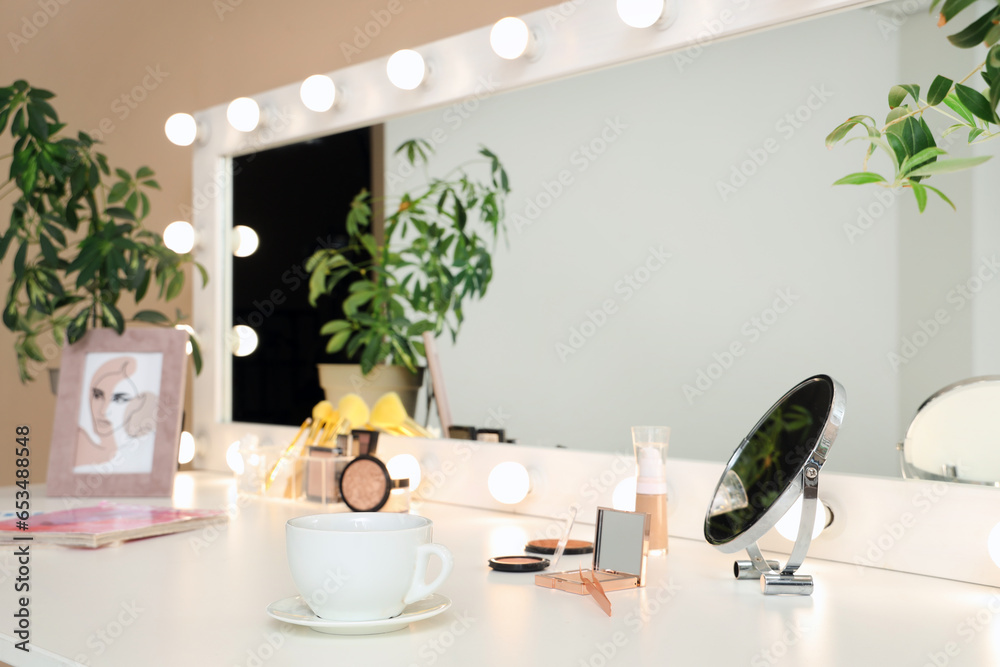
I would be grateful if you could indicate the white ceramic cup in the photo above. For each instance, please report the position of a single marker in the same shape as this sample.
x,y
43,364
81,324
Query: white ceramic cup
x,y
362,566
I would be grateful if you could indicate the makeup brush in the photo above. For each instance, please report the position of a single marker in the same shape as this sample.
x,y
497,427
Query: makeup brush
x,y
388,413
285,454
321,413
353,413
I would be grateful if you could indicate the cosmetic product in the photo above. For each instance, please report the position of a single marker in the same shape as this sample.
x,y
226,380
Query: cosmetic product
x,y
650,444
548,547
490,435
620,549
399,496
535,563
343,443
462,432
519,563
364,443
365,484
322,477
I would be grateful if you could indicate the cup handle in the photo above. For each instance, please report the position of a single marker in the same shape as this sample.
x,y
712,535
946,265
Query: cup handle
x,y
421,589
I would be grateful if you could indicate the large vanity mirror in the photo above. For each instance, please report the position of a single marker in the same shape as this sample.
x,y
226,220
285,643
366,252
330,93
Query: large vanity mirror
x,y
675,250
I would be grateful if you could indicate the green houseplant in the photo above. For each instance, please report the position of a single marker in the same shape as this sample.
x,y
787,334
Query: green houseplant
x,y
906,138
434,254
76,233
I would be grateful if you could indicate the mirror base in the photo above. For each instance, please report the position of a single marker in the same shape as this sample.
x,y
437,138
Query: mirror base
x,y
778,583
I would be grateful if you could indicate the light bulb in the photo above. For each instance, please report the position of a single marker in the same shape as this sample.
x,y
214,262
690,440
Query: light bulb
x,y
243,114
623,497
641,13
245,241
244,340
509,483
179,237
234,459
406,69
405,466
318,93
181,129
185,453
788,526
510,38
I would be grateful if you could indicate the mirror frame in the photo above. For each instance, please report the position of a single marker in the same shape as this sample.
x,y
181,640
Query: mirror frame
x,y
574,37
816,458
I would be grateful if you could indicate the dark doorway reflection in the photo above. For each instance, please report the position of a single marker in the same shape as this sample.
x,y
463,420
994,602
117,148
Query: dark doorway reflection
x,y
295,198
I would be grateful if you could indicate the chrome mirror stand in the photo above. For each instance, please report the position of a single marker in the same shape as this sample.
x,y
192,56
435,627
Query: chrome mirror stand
x,y
775,580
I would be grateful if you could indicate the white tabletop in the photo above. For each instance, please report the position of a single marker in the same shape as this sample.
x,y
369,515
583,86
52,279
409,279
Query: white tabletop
x,y
198,598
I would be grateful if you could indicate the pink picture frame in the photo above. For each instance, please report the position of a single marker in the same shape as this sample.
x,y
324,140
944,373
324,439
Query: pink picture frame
x,y
118,414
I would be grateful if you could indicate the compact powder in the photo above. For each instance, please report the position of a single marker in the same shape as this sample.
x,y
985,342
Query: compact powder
x,y
365,484
573,547
518,563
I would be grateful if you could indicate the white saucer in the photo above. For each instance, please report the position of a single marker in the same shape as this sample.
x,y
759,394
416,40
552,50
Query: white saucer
x,y
294,610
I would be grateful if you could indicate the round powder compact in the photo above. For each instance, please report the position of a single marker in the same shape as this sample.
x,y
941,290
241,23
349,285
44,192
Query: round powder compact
x,y
573,547
519,563
365,484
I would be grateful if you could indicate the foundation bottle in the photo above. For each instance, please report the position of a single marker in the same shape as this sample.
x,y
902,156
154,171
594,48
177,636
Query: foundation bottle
x,y
650,443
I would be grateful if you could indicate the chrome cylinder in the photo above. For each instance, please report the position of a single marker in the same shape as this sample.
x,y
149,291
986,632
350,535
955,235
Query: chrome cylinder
x,y
744,569
786,584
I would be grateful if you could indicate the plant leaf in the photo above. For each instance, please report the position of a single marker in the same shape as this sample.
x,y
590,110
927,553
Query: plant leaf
x,y
337,342
951,8
953,103
151,316
920,193
975,33
860,178
941,195
939,90
976,103
948,166
841,130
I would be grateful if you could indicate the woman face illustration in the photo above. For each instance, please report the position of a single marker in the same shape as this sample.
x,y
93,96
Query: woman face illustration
x,y
111,390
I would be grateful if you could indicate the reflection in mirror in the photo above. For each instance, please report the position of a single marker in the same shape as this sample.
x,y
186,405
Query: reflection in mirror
x,y
669,259
295,198
619,544
778,462
955,435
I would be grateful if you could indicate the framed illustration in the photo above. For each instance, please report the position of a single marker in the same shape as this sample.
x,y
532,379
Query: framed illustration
x,y
118,414
437,384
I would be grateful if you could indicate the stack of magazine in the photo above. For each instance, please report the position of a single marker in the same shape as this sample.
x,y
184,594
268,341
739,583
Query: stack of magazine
x,y
106,523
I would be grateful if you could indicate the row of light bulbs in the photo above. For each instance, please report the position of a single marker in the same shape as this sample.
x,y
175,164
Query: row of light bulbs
x,y
510,39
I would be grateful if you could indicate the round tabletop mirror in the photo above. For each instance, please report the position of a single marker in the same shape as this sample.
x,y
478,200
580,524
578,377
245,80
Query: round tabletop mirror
x,y
772,466
955,434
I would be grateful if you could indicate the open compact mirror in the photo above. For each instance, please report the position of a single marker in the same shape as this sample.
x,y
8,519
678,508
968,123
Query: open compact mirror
x,y
954,435
776,463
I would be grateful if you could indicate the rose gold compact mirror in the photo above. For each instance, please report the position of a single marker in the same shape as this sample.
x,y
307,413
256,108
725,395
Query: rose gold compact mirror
x,y
620,549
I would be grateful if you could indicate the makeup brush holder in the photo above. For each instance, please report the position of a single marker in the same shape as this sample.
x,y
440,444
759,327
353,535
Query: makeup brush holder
x,y
314,477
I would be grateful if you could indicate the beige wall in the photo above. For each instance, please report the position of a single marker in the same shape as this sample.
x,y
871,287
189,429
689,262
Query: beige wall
x,y
203,53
